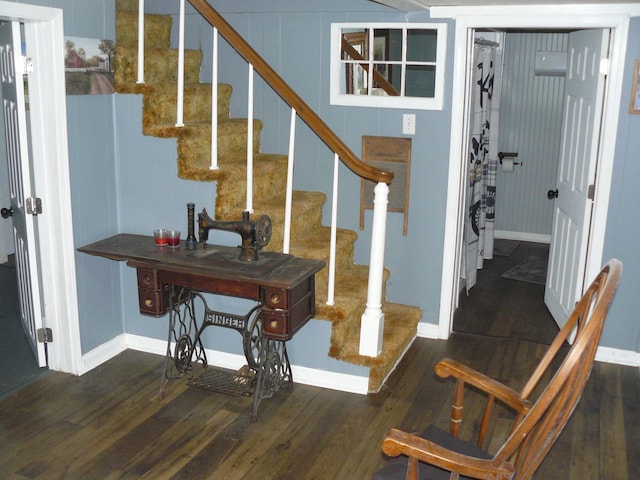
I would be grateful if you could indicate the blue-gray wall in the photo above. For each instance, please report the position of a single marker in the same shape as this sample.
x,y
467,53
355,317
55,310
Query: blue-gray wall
x,y
623,221
117,173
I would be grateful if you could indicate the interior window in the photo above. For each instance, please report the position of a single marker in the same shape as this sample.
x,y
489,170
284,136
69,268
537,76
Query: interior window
x,y
388,65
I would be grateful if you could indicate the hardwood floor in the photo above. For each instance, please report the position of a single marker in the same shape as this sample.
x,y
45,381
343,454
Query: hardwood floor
x,y
109,423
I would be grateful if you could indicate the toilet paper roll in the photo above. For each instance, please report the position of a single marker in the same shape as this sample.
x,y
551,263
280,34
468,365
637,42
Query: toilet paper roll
x,y
507,164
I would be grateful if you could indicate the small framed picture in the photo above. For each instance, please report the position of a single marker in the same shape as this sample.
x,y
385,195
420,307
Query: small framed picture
x,y
634,104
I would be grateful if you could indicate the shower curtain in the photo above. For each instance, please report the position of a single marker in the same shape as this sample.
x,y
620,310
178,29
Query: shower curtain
x,y
483,160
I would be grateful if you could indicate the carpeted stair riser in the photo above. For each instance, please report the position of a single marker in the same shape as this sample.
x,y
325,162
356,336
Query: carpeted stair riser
x,y
161,101
194,146
160,65
126,5
308,237
157,29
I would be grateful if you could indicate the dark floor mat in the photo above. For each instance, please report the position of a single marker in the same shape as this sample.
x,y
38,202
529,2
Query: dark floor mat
x,y
531,269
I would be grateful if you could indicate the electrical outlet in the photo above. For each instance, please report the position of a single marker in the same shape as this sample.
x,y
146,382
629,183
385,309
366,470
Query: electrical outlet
x,y
409,124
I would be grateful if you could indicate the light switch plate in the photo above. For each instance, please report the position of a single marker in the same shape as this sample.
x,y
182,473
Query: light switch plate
x,y
409,124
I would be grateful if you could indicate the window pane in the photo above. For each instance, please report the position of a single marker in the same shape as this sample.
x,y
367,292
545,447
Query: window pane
x,y
420,81
355,44
421,45
387,44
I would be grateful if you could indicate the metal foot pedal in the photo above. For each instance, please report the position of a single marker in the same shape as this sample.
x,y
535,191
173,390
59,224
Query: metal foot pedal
x,y
237,384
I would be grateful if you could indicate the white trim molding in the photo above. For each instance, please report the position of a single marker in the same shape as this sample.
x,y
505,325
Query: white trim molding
x,y
44,33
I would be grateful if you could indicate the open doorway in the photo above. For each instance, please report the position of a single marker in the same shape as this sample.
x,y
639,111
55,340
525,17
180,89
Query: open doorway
x,y
524,17
521,163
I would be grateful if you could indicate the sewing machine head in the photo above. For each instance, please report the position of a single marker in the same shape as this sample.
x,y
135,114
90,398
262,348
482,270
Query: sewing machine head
x,y
255,235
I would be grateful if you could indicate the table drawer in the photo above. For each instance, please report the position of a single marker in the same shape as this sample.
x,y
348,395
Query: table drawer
x,y
148,278
153,302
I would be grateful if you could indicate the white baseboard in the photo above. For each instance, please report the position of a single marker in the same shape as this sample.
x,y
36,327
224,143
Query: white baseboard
x,y
304,375
104,352
522,236
429,330
617,356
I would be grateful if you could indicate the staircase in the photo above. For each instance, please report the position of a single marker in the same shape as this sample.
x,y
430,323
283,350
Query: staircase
x,y
309,238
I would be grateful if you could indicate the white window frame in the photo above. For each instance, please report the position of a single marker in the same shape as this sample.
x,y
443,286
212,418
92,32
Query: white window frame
x,y
417,103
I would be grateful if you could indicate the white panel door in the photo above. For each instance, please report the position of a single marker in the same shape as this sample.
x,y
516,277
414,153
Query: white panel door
x,y
584,90
20,184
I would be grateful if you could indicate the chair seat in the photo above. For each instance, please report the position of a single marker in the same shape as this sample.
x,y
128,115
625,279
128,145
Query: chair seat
x,y
396,468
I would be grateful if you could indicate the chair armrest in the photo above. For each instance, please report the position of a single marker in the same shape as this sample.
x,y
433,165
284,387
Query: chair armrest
x,y
396,442
450,368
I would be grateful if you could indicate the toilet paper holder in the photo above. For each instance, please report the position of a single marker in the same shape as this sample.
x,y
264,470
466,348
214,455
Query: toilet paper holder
x,y
503,155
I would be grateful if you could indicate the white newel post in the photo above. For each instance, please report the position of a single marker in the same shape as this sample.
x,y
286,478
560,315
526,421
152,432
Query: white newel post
x,y
372,323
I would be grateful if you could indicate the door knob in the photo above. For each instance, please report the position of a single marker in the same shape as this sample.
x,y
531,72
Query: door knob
x,y
6,212
551,194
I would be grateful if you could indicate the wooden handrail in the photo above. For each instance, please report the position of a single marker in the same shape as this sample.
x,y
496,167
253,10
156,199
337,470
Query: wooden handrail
x,y
276,82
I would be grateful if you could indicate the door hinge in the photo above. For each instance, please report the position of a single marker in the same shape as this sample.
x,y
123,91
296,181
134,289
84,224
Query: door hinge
x,y
25,67
34,206
45,335
604,66
591,192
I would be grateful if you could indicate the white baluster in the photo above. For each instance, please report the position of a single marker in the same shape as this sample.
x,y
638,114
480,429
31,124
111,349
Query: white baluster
x,y
372,322
250,143
140,41
289,194
180,103
334,230
214,103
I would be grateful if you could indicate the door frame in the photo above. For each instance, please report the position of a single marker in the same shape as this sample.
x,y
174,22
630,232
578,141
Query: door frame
x,y
467,19
44,35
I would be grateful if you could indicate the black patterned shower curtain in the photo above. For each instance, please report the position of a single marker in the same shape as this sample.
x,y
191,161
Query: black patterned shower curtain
x,y
483,160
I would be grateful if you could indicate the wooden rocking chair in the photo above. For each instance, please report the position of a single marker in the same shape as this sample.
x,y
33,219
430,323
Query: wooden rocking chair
x,y
436,454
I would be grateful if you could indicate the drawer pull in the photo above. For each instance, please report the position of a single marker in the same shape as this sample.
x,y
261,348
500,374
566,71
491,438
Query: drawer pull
x,y
148,302
275,298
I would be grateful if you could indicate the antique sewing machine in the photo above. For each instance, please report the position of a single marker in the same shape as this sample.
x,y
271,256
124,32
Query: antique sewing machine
x,y
255,235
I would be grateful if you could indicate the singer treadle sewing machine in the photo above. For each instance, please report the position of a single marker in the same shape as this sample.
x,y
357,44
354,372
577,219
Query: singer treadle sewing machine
x,y
174,280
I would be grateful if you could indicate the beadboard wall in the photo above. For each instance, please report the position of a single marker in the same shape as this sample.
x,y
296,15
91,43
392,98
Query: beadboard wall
x,y
530,124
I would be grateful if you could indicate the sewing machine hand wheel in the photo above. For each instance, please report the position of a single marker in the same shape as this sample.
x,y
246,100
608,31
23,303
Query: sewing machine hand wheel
x,y
263,231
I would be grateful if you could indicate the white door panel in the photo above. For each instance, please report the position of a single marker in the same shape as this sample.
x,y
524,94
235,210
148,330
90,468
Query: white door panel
x,y
20,184
584,90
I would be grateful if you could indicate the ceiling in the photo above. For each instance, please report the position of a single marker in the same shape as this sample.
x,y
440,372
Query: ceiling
x,y
409,5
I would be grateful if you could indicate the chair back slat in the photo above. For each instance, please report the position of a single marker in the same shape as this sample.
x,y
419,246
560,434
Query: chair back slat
x,y
537,431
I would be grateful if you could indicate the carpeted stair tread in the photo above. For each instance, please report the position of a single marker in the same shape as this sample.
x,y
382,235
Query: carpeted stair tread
x,y
400,328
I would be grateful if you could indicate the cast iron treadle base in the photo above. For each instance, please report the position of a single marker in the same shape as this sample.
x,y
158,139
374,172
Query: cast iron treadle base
x,y
223,381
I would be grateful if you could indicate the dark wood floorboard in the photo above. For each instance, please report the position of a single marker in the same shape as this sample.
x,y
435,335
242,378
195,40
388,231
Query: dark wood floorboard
x,y
110,424
502,307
